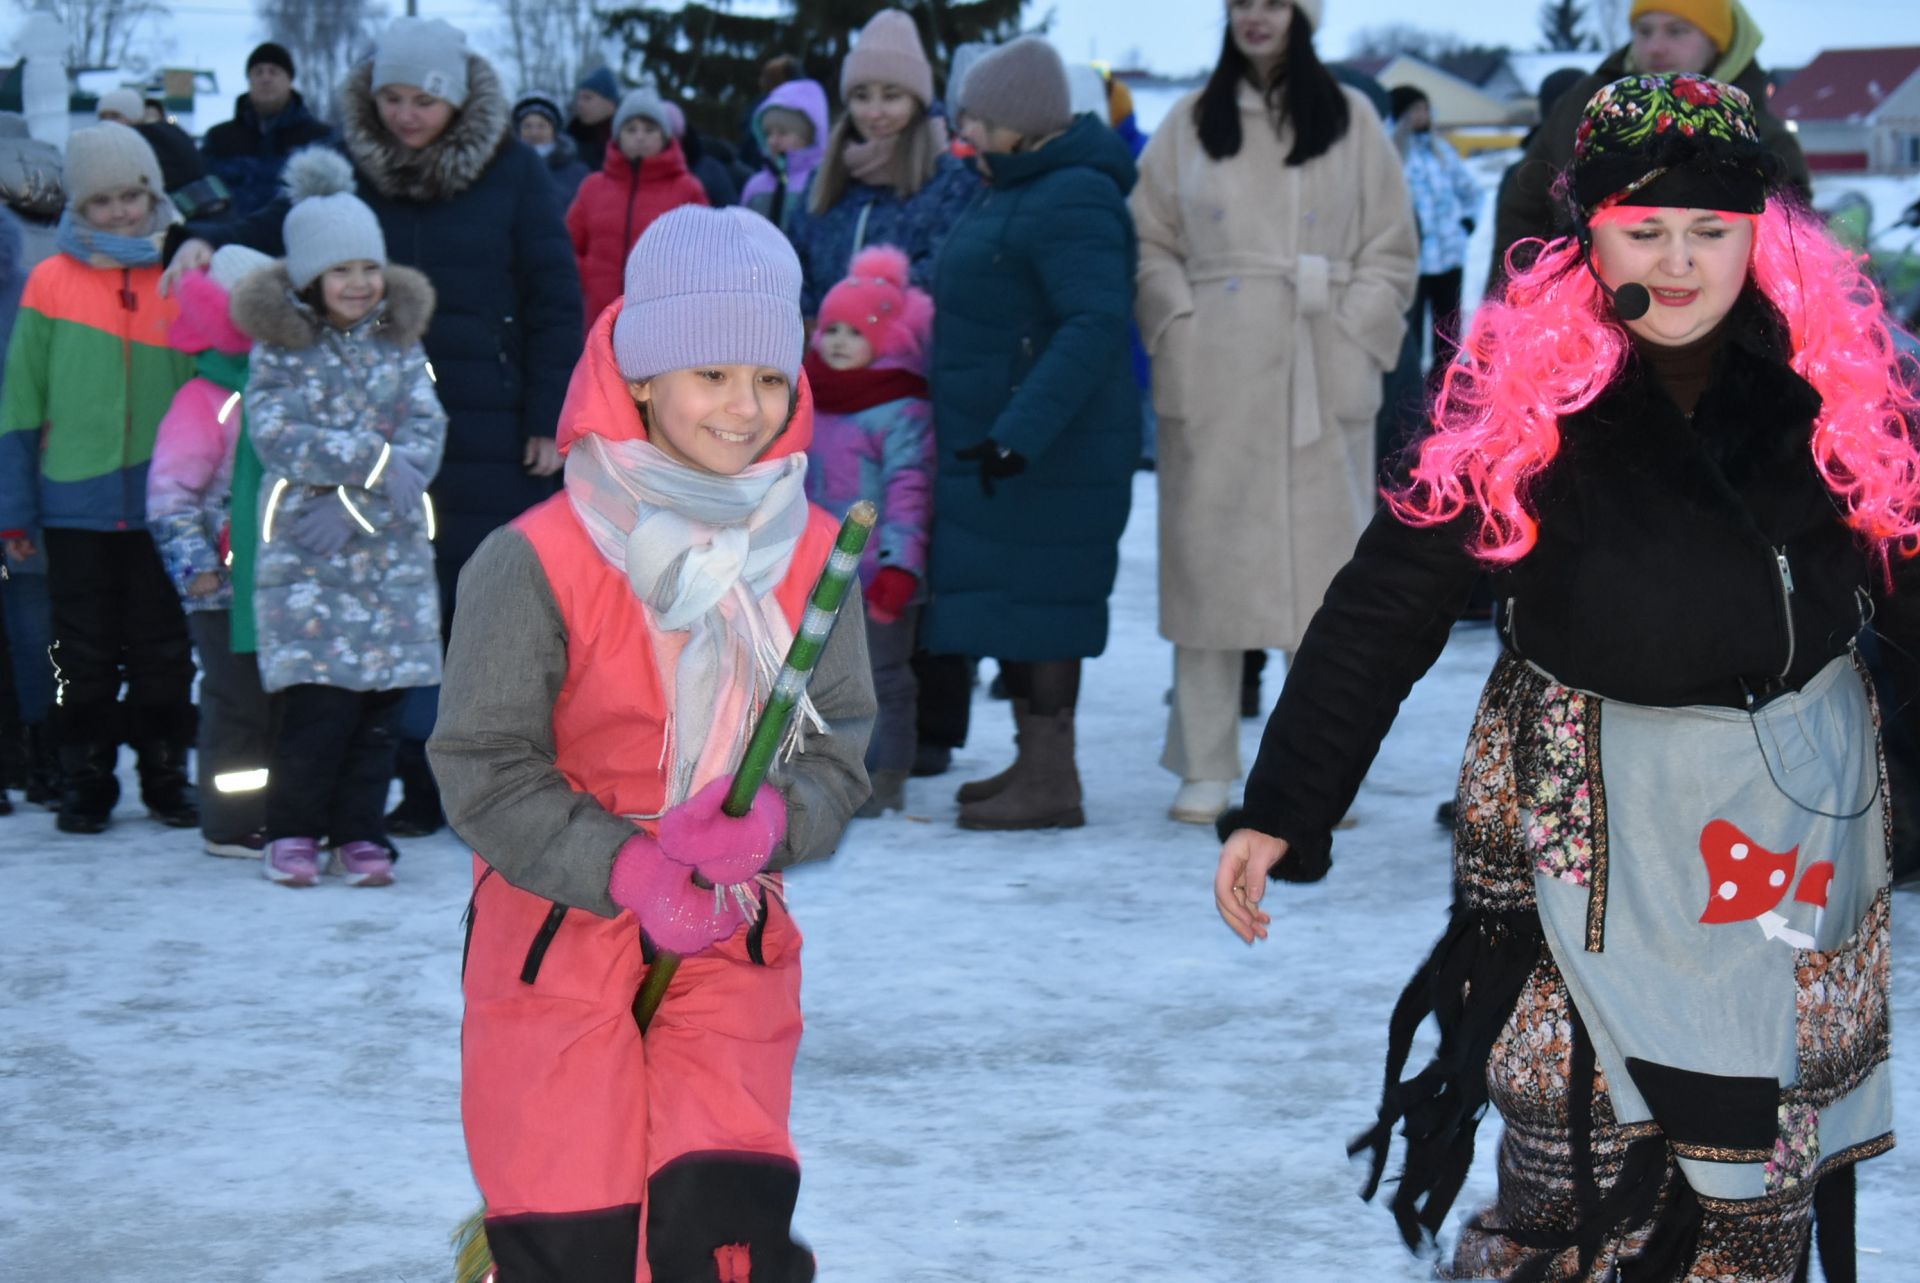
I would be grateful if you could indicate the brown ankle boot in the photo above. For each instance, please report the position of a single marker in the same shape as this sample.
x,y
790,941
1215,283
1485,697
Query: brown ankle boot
x,y
1044,792
981,790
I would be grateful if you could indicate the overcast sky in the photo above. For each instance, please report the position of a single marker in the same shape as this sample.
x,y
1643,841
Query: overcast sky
x,y
1170,36
1181,35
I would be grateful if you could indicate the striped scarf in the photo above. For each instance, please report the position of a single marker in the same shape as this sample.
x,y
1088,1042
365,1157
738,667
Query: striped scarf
x,y
704,554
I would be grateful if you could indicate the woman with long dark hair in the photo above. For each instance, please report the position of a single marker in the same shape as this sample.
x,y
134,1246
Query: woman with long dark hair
x,y
1277,259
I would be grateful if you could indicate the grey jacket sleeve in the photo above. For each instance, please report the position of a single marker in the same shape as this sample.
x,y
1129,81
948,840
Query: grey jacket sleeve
x,y
492,749
827,781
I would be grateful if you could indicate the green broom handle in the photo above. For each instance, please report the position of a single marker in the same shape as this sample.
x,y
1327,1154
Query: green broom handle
x,y
829,594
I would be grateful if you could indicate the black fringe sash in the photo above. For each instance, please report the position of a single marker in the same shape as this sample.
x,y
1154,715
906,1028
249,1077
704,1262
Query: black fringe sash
x,y
1469,985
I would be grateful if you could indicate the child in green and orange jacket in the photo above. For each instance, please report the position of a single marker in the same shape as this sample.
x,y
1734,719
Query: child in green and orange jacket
x,y
89,375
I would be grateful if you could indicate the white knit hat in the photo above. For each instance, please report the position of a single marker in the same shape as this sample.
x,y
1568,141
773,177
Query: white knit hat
x,y
122,102
426,53
328,225
234,263
109,155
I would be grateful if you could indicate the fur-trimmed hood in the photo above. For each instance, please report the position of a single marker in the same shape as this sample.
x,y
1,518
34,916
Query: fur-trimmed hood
x,y
265,307
448,165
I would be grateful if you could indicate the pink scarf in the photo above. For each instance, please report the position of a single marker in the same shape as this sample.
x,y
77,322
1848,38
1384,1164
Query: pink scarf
x,y
871,162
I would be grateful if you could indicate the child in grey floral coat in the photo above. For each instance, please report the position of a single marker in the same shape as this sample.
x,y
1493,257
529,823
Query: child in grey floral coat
x,y
342,411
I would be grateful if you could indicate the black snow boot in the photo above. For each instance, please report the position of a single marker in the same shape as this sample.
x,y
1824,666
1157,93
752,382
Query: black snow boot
x,y
43,764
161,736
89,749
419,813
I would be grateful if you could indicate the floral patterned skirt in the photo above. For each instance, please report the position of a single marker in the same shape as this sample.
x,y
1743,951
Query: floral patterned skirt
x,y
1532,801
1528,1082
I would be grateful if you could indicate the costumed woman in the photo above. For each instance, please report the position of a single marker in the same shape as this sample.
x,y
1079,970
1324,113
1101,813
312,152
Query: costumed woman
x,y
1682,447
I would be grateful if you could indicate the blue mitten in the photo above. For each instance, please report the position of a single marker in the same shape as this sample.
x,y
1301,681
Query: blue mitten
x,y
403,483
323,528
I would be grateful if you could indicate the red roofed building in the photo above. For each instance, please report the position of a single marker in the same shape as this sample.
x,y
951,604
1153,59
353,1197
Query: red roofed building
x,y
1857,110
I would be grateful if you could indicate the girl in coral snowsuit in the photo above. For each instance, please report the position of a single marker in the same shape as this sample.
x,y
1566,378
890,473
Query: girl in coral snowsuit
x,y
597,699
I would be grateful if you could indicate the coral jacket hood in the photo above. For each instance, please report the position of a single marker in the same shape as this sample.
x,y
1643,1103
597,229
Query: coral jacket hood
x,y
599,404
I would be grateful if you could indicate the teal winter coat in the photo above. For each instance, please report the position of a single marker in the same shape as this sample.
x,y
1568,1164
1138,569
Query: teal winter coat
x,y
1033,296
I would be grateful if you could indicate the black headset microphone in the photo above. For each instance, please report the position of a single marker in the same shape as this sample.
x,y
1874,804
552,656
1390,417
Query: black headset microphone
x,y
1631,301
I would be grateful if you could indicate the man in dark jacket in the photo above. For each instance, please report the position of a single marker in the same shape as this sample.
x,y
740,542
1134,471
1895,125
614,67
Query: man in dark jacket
x,y
595,99
270,122
1711,37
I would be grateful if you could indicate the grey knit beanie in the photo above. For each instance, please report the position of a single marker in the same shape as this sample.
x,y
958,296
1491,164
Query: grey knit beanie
x,y
109,155
888,51
963,59
1021,86
328,225
644,102
710,287
427,53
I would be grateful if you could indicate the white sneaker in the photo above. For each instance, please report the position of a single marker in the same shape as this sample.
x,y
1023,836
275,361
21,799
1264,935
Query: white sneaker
x,y
1200,801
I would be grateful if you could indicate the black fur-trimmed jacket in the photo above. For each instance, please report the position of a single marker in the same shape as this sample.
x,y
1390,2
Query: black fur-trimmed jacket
x,y
1677,563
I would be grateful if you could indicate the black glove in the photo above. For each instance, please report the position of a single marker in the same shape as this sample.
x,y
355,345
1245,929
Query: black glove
x,y
996,462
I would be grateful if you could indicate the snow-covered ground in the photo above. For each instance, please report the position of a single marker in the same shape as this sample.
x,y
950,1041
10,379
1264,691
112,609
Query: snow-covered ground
x,y
1027,1056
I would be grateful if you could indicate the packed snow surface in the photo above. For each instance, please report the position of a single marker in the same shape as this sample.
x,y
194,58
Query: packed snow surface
x,y
1027,1056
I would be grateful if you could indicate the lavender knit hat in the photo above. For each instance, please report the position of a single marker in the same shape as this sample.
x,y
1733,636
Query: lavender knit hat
x,y
710,287
888,51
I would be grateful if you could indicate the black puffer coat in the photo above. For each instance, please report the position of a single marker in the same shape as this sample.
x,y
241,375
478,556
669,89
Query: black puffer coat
x,y
476,212
1678,563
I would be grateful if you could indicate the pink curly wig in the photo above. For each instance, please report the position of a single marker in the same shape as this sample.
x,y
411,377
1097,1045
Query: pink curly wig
x,y
877,300
204,321
1549,348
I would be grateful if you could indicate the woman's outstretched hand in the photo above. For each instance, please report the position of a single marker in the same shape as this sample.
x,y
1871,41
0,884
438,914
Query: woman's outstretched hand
x,y
1241,880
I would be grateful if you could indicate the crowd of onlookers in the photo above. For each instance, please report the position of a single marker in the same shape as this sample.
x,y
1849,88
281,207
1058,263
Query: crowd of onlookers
x,y
249,379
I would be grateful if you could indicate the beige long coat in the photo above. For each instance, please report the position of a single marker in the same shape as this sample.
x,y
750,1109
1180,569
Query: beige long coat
x,y
1271,299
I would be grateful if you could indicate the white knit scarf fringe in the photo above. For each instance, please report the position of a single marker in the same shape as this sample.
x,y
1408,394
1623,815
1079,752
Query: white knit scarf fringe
x,y
704,553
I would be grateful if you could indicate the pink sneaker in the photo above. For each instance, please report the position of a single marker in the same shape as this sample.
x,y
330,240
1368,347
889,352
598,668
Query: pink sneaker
x,y
362,864
292,862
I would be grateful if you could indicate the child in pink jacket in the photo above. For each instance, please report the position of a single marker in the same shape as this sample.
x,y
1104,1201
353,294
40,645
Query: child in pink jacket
x,y
188,489
873,440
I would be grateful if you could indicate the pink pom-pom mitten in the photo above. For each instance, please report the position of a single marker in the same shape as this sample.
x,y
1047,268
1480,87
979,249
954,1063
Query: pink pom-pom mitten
x,y
676,915
724,850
